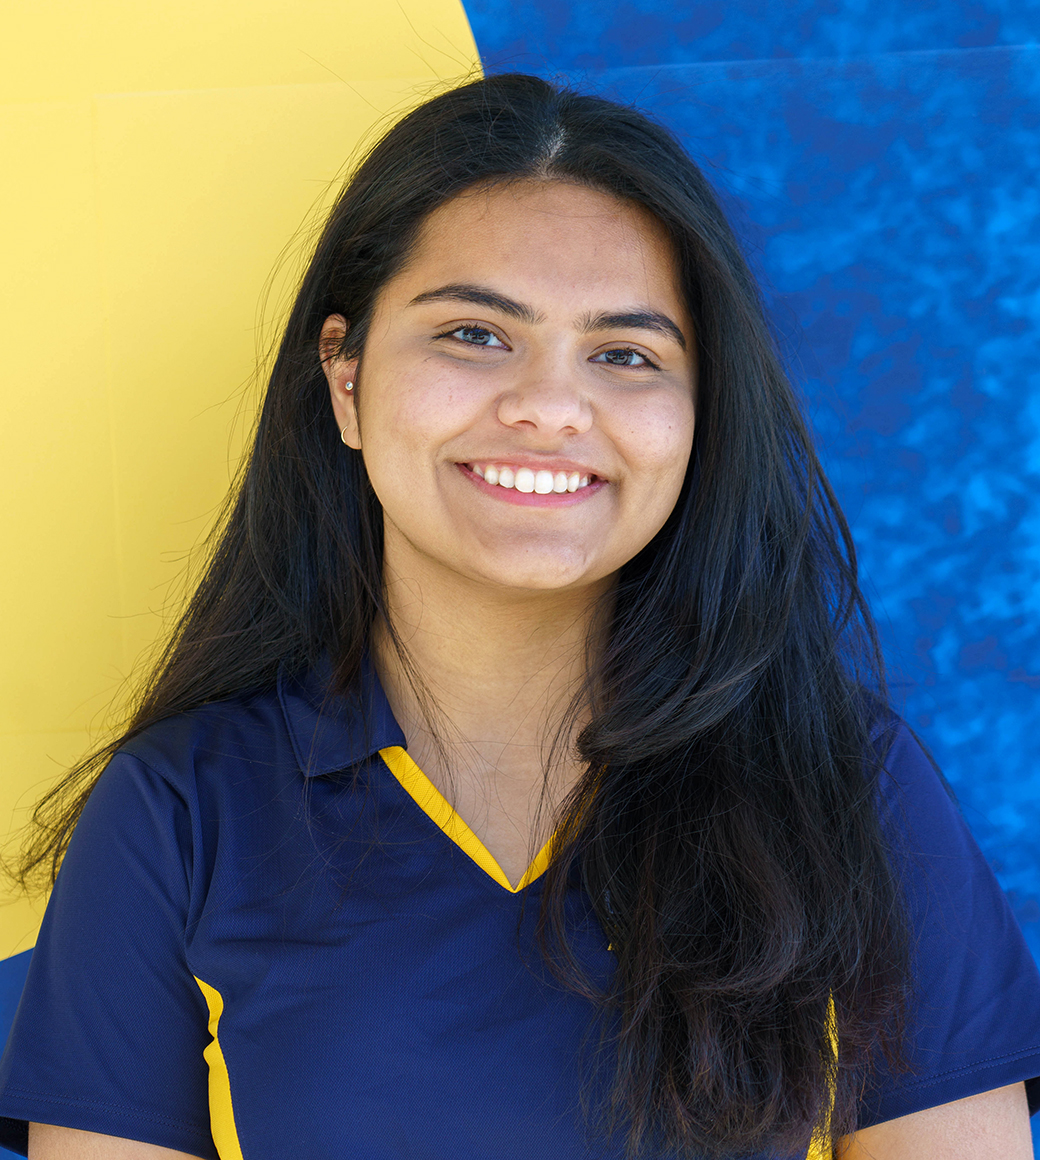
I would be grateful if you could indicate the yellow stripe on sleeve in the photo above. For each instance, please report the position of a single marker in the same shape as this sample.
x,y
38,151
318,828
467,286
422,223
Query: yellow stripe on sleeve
x,y
221,1113
821,1147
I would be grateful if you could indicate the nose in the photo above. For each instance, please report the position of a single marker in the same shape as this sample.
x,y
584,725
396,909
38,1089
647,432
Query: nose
x,y
549,405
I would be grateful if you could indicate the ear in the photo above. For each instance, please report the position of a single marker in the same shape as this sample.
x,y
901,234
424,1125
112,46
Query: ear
x,y
340,372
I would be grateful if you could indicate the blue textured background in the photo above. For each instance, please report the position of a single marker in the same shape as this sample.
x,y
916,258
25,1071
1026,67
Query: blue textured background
x,y
882,164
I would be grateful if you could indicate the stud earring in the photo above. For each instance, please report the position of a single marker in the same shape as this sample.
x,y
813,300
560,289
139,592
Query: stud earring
x,y
348,387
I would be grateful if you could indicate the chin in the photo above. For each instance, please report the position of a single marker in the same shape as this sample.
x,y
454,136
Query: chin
x,y
531,578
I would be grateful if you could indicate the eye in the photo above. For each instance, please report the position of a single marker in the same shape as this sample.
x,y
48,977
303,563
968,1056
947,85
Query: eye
x,y
474,336
624,356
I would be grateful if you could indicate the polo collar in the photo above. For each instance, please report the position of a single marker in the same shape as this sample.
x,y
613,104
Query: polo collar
x,y
330,732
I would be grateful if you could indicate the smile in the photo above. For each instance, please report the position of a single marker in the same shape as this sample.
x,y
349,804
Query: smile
x,y
531,487
527,480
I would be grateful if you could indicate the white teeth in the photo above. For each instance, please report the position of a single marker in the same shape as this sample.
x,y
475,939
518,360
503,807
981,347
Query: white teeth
x,y
524,479
527,480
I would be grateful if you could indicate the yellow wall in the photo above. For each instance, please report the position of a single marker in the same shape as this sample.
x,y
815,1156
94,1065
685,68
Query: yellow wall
x,y
158,157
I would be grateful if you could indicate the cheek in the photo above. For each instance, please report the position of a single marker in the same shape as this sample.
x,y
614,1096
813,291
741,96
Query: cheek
x,y
420,406
398,418
659,439
410,423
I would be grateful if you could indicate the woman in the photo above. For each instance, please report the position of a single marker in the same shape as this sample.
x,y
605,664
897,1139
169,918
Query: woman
x,y
532,586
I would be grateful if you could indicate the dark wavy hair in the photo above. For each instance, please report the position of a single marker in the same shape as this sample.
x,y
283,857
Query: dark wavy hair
x,y
726,826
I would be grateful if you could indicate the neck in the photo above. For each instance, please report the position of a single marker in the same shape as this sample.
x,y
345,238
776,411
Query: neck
x,y
498,670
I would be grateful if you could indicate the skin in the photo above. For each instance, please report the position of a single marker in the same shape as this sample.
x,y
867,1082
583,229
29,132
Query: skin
x,y
993,1125
494,600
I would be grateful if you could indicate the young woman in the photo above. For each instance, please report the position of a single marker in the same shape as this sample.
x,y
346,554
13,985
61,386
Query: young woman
x,y
533,591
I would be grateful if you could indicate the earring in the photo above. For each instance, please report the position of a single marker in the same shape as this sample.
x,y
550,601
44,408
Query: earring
x,y
343,433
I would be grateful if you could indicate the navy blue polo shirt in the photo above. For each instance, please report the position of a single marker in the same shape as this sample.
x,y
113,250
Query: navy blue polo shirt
x,y
247,955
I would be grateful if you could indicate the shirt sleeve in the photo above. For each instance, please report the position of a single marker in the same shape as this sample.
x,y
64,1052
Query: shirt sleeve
x,y
111,1028
975,1018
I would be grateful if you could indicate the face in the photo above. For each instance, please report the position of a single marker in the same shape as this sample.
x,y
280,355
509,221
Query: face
x,y
536,338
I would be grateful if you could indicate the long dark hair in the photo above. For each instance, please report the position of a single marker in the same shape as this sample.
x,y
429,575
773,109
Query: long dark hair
x,y
726,827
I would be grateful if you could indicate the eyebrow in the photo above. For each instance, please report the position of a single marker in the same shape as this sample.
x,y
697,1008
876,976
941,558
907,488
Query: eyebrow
x,y
483,296
480,296
636,320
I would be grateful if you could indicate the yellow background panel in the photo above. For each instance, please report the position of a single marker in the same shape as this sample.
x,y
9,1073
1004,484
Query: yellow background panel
x,y
165,164
54,49
58,524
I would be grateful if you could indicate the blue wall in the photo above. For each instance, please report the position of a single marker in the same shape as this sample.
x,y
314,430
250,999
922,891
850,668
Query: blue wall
x,y
541,36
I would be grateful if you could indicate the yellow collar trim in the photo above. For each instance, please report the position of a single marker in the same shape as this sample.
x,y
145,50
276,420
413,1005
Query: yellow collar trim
x,y
436,807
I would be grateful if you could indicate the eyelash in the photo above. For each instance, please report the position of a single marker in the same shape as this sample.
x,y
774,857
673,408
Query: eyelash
x,y
469,326
650,364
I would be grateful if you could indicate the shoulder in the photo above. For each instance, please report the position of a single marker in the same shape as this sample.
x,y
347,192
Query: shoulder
x,y
232,747
244,733
908,785
192,798
915,801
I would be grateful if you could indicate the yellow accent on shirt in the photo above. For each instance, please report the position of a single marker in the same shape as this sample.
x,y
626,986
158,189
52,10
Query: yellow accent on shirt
x,y
433,803
221,1112
821,1147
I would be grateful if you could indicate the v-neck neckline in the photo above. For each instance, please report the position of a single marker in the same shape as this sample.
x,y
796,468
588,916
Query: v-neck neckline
x,y
439,810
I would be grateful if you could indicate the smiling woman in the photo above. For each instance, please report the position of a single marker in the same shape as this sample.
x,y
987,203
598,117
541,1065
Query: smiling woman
x,y
573,367
532,590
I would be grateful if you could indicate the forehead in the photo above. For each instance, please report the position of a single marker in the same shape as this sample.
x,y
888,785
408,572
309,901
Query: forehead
x,y
551,238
